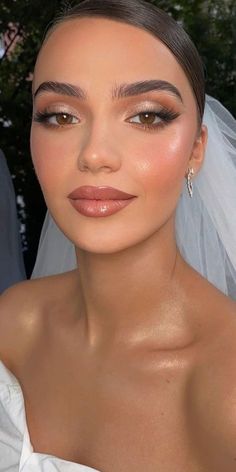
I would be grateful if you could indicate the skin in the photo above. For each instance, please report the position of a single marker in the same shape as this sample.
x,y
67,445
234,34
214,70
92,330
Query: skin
x,y
134,356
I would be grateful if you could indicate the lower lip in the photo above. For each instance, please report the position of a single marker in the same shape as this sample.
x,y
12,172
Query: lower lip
x,y
99,208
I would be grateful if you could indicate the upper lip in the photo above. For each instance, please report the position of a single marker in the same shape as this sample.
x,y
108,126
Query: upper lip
x,y
88,192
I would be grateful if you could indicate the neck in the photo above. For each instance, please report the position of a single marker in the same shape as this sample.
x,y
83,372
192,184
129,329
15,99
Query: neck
x,y
123,296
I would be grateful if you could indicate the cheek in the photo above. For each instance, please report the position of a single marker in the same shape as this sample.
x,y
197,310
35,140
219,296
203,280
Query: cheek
x,y
48,155
161,164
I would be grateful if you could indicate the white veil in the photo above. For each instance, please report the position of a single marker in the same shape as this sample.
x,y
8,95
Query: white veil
x,y
205,224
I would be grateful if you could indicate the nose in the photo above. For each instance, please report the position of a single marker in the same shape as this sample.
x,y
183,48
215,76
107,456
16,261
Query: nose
x,y
99,152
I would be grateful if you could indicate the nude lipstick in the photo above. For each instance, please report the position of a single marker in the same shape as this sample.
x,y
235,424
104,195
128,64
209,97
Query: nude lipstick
x,y
99,201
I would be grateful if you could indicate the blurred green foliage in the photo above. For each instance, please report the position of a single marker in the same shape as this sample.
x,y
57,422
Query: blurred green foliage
x,y
211,24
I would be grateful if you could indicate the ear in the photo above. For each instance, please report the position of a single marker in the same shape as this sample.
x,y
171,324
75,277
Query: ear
x,y
198,152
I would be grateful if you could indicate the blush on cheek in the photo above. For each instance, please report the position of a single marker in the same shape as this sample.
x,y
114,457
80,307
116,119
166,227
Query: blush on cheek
x,y
49,160
164,163
163,169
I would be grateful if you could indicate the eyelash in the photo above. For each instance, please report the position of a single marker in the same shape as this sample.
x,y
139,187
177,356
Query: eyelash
x,y
165,115
43,117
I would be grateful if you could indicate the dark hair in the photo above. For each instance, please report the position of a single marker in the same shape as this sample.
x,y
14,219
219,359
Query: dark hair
x,y
146,16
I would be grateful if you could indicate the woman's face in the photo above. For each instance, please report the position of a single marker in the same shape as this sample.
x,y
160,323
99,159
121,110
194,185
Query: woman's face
x,y
91,134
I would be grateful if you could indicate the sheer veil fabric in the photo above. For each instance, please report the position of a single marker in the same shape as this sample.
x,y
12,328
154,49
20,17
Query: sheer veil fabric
x,y
205,224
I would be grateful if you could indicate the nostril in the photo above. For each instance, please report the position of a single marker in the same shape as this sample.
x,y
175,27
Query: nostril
x,y
82,166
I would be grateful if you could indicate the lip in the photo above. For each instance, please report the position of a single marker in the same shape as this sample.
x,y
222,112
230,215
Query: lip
x,y
99,201
99,193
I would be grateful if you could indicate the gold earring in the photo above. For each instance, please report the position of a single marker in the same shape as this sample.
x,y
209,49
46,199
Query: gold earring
x,y
190,182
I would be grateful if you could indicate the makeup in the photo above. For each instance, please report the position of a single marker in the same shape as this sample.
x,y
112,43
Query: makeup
x,y
99,201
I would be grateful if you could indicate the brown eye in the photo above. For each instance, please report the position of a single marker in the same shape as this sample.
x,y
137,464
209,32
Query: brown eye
x,y
64,119
147,118
55,119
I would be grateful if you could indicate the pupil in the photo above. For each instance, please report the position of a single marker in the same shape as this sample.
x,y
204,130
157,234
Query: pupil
x,y
147,118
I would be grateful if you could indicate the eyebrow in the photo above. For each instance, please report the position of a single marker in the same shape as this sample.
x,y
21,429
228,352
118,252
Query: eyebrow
x,y
130,90
61,88
118,92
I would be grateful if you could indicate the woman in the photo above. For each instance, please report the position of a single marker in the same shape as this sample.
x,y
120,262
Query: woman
x,y
126,364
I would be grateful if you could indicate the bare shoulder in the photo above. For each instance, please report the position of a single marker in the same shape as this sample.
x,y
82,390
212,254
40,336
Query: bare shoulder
x,y
23,310
211,386
213,383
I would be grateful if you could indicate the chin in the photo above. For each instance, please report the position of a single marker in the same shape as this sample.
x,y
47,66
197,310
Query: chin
x,y
111,235
112,241
109,245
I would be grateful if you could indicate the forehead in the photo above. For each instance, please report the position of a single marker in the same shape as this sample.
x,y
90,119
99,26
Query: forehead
x,y
98,49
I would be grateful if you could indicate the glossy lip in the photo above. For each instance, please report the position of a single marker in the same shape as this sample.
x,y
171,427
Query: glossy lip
x,y
99,201
99,193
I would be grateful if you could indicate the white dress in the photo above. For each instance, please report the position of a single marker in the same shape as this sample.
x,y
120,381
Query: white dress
x,y
16,451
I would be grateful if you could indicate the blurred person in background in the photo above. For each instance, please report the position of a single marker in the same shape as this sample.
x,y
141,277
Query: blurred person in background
x,y
11,259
